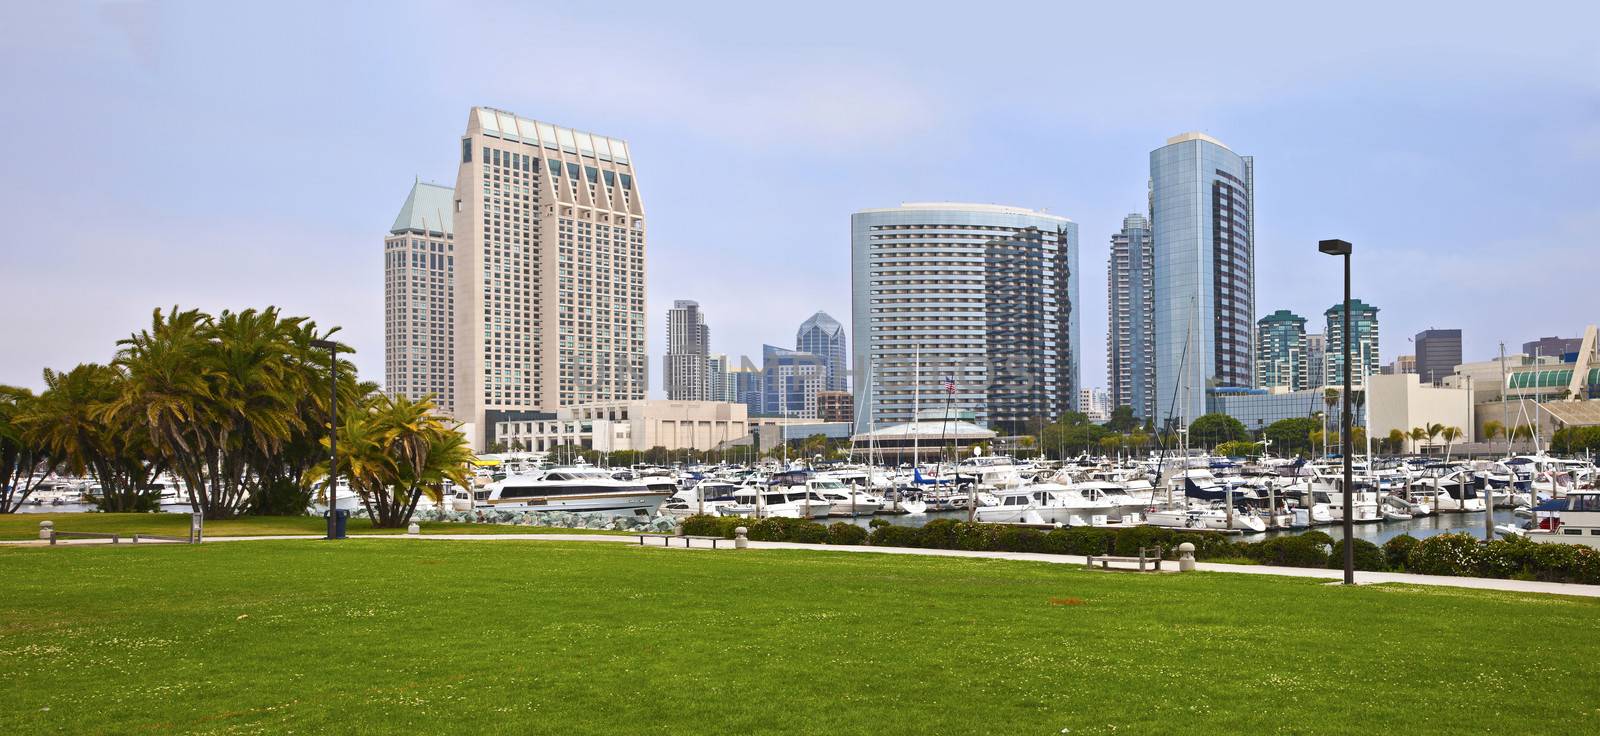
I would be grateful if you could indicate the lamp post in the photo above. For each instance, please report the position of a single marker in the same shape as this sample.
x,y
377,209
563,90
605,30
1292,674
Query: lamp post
x,y
333,428
1342,248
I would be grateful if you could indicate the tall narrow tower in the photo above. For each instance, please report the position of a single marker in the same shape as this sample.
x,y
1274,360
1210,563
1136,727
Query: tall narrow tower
x,y
688,351
550,289
1130,334
419,257
1202,211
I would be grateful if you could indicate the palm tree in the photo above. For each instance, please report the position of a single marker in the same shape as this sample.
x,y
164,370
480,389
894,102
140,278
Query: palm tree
x,y
394,451
1397,441
1522,432
1493,429
1417,435
1451,434
1110,443
66,422
1433,430
23,463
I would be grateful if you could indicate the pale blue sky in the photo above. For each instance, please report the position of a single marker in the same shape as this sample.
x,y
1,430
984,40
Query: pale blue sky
x,y
195,154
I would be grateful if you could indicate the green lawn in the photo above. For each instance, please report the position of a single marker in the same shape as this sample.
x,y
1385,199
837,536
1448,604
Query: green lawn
x,y
374,636
26,526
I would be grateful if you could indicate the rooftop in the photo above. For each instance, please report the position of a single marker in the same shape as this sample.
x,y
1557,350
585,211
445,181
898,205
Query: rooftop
x,y
969,207
428,209
513,126
1195,136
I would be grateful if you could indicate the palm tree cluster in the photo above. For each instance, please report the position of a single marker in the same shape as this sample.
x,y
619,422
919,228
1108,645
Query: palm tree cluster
x,y
235,406
394,451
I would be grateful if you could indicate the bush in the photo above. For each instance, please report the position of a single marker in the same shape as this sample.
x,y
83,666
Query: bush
x,y
842,533
1019,539
1300,550
784,529
1395,551
1320,537
1446,554
891,535
1368,556
706,525
1079,540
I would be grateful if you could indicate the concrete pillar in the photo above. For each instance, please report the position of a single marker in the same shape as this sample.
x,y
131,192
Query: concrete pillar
x,y
740,541
1186,557
46,528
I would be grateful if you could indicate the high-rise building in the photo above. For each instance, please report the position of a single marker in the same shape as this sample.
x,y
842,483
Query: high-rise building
x,y
745,382
1404,364
971,297
1363,347
823,336
791,380
835,406
419,298
1438,354
1553,347
718,386
1202,211
1130,302
550,283
1316,359
1095,404
1281,352
688,347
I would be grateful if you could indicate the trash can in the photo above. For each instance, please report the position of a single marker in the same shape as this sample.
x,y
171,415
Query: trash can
x,y
341,520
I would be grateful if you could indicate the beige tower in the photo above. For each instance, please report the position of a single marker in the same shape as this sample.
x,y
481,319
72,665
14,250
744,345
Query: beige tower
x,y
550,240
418,295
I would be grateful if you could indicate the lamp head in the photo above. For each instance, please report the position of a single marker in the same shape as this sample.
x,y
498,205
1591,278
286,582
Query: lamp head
x,y
325,345
1334,247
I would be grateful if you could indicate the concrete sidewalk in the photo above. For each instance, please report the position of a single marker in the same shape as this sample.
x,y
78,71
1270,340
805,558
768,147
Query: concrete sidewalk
x,y
1362,578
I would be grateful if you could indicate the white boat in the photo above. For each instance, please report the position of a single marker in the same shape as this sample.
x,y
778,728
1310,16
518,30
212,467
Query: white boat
x,y
1047,503
1204,518
846,500
795,502
1578,521
574,489
705,497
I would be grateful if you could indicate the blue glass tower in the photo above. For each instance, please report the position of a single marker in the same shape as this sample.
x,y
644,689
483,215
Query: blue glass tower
x,y
1202,207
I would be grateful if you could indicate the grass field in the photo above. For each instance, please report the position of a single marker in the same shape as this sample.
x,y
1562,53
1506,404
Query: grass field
x,y
376,636
26,526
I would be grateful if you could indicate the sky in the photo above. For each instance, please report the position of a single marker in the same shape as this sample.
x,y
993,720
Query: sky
x,y
219,155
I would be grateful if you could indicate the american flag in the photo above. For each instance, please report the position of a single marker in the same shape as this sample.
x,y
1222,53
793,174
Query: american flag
x,y
949,385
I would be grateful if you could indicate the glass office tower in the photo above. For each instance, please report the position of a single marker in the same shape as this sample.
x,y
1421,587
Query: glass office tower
x,y
1202,206
1281,352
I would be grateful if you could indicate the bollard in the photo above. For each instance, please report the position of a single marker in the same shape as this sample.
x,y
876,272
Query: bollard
x,y
739,539
413,530
1186,557
46,529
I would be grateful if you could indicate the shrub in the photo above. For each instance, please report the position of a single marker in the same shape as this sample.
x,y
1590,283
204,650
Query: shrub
x,y
1079,540
1368,556
1445,554
783,529
1504,558
1396,550
1019,539
1129,541
891,535
842,533
706,525
1321,538
1300,550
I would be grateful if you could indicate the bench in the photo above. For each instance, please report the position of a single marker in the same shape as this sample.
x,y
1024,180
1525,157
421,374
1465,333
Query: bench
x,y
115,538
666,539
1146,555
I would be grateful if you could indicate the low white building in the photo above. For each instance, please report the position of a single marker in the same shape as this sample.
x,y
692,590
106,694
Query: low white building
x,y
610,426
1401,401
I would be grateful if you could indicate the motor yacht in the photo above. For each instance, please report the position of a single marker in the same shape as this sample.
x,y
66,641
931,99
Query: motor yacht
x,y
574,489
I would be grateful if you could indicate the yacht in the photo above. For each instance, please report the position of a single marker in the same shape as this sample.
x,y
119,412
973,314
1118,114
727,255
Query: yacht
x,y
846,500
1579,521
1204,518
1455,491
705,497
795,502
575,489
1048,503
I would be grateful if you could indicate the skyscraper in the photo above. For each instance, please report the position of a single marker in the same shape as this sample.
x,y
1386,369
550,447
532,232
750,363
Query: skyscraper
x,y
823,336
419,298
1552,347
1438,354
1363,347
791,380
688,348
1202,204
1316,359
976,297
1130,337
718,385
550,277
1281,352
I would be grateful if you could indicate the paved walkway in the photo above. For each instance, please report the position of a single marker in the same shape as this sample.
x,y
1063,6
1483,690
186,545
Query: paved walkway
x,y
1362,578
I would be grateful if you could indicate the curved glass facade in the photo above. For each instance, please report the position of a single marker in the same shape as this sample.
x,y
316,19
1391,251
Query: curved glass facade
x,y
978,298
1202,206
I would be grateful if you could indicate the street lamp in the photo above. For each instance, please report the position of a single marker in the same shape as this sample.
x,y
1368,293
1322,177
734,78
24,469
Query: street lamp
x,y
1342,248
333,429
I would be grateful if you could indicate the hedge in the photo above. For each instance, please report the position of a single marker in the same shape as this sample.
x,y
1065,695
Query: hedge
x,y
1445,554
